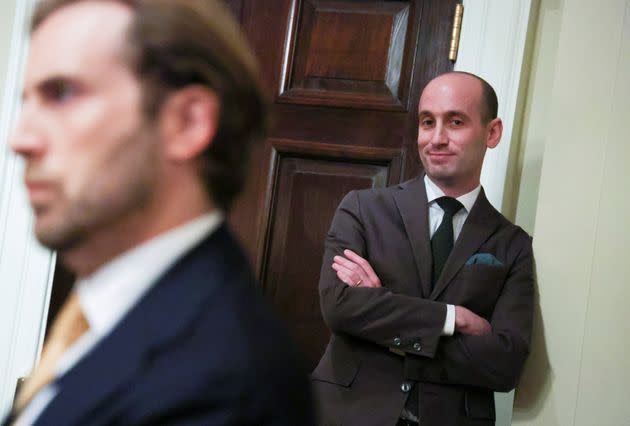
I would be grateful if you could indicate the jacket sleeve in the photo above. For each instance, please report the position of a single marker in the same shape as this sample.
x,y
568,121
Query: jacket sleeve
x,y
403,323
493,361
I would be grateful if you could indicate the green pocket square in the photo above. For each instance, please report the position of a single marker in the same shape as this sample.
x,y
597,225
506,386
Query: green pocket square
x,y
483,259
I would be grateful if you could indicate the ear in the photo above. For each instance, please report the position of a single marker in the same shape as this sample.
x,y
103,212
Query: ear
x,y
188,122
494,131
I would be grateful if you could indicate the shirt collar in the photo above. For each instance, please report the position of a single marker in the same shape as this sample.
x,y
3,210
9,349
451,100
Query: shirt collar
x,y
434,192
107,294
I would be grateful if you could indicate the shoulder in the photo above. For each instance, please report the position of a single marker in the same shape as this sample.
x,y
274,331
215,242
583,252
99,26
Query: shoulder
x,y
381,195
212,345
519,235
234,351
515,236
253,352
216,297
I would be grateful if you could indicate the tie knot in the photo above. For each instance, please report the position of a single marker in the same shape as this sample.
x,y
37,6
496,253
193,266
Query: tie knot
x,y
450,205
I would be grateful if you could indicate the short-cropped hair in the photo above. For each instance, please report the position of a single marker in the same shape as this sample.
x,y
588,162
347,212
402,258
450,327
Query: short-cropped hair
x,y
489,101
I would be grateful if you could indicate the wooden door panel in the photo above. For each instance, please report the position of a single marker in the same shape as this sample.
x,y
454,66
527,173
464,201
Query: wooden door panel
x,y
344,78
342,53
343,126
309,182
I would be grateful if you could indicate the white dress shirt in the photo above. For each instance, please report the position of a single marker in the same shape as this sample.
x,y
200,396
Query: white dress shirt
x,y
435,218
112,290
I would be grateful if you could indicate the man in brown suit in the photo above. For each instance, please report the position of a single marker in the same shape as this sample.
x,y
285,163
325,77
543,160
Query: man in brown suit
x,y
427,289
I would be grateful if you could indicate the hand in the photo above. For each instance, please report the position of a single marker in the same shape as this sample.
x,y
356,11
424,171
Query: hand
x,y
355,271
468,322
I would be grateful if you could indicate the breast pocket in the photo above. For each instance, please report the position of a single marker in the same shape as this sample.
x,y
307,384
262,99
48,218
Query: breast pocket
x,y
479,287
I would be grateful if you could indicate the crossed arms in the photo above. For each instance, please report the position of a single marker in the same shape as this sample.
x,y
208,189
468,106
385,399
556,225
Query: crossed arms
x,y
355,271
487,353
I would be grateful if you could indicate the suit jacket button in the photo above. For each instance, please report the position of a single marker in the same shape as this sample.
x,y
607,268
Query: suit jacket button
x,y
397,341
417,346
405,387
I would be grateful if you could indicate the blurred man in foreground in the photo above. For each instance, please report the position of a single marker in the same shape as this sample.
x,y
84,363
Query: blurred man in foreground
x,y
136,123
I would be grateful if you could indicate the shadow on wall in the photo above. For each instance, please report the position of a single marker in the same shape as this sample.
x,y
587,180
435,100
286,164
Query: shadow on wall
x,y
534,386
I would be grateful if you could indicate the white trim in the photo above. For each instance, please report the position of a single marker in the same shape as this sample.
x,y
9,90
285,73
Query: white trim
x,y
493,47
26,269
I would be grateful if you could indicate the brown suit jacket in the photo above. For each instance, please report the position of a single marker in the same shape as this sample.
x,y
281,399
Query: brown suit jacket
x,y
359,380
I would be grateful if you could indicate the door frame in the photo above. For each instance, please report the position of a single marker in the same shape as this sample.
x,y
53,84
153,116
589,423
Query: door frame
x,y
493,45
26,269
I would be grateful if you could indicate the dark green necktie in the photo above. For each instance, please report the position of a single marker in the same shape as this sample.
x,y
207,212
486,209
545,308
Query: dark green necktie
x,y
441,246
442,241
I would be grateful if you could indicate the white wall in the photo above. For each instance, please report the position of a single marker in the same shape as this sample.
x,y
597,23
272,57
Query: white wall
x,y
577,125
493,46
7,14
25,268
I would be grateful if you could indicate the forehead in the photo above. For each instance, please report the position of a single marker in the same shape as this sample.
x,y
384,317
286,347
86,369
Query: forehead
x,y
81,38
452,92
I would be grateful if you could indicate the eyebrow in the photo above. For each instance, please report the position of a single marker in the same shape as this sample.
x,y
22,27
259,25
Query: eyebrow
x,y
448,113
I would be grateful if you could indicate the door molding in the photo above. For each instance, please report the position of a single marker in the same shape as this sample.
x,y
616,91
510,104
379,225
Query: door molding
x,y
492,45
26,269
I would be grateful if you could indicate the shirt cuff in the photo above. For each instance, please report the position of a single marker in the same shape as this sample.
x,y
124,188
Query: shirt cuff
x,y
449,324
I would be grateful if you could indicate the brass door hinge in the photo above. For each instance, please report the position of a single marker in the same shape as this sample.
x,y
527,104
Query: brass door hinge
x,y
457,29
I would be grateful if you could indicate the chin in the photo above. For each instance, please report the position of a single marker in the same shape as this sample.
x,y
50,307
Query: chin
x,y
58,237
439,173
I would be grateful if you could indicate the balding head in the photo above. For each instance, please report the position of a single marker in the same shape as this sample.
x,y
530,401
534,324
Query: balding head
x,y
488,102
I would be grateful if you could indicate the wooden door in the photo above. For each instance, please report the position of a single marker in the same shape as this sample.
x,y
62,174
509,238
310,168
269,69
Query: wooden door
x,y
344,78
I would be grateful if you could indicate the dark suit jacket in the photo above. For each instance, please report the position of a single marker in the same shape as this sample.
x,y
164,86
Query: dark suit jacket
x,y
200,348
359,380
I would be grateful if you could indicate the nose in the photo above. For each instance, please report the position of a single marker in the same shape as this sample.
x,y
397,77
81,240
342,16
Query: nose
x,y
26,141
439,137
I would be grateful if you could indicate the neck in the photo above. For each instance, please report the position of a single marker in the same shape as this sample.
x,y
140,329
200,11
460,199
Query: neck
x,y
162,215
455,189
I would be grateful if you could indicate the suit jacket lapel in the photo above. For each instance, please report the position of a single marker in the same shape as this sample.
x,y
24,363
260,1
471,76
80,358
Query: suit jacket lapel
x,y
411,201
481,223
145,329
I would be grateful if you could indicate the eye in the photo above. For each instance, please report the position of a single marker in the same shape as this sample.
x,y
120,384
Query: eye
x,y
457,122
59,91
426,122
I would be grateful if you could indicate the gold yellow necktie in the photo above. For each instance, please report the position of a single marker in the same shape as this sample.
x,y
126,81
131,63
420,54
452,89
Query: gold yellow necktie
x,y
69,325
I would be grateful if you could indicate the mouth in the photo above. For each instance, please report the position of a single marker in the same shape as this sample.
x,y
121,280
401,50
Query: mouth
x,y
38,191
439,156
